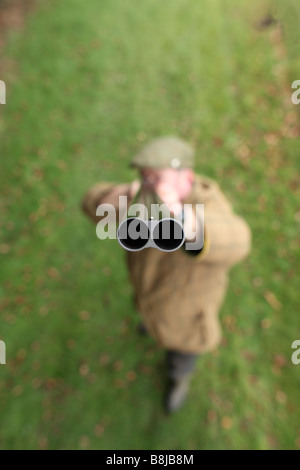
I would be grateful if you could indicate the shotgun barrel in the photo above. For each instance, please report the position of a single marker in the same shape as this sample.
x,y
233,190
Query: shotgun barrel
x,y
155,226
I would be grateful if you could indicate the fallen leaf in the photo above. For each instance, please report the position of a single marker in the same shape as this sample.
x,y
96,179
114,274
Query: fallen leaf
x,y
211,416
226,422
84,442
281,397
131,375
4,249
84,315
266,323
84,370
272,300
99,429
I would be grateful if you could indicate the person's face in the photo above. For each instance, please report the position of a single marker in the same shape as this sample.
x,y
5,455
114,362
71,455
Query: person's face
x,y
170,184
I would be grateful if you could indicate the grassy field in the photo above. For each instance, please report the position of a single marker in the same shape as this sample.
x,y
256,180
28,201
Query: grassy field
x,y
87,84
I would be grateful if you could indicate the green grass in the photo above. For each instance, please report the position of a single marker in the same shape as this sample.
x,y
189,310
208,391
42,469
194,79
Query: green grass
x,y
87,84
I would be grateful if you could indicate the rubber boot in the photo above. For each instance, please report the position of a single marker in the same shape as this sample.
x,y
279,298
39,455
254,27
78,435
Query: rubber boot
x,y
176,394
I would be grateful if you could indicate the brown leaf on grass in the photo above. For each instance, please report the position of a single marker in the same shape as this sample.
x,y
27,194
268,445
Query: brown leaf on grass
x,y
257,281
84,370
226,422
104,359
106,270
280,361
281,397
36,365
253,379
67,267
230,324
10,318
273,442
211,416
218,142
53,273
71,343
290,131
61,165
92,378
38,174
96,44
265,323
118,365
84,315
35,346
99,429
241,187
17,390
141,136
145,369
43,310
21,355
84,442
37,382
46,293
291,117
8,285
131,376
276,225
43,442
297,443
119,383
272,300
293,184
244,425
271,139
248,355
243,152
51,383
4,249
26,277
21,288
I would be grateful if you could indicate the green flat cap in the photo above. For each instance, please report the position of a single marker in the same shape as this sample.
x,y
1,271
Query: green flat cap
x,y
166,152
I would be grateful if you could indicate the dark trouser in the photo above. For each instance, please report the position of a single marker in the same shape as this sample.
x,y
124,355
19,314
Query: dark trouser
x,y
179,364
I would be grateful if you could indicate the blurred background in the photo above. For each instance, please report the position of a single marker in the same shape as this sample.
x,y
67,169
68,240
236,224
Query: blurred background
x,y
88,83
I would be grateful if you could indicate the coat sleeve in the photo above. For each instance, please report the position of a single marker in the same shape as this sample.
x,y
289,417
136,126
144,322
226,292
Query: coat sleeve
x,y
101,193
227,237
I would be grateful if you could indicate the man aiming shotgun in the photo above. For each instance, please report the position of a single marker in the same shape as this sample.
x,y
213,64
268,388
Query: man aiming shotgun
x,y
179,294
